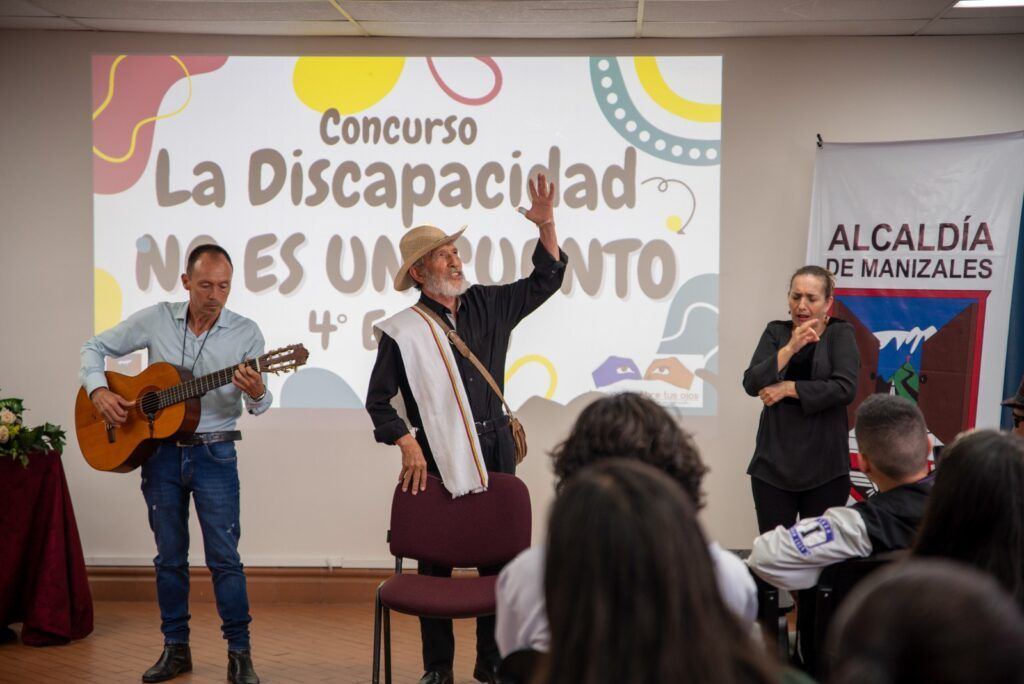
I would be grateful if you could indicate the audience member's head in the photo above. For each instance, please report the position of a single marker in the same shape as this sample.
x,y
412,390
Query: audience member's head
x,y
629,425
892,439
630,587
975,512
928,621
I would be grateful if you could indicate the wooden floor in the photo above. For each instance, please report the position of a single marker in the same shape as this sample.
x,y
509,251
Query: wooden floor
x,y
292,643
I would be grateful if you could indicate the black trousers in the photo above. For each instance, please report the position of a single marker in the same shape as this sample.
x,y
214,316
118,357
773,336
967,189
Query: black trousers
x,y
776,506
781,507
438,635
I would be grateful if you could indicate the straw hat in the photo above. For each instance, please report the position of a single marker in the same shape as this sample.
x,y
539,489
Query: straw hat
x,y
1018,400
417,243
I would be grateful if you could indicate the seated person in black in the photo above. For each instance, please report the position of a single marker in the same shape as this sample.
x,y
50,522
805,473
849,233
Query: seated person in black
x,y
894,446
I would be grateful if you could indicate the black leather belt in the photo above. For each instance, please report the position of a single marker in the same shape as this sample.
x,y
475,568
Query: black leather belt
x,y
200,438
485,426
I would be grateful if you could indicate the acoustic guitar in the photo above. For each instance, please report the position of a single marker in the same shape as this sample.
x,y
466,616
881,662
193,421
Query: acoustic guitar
x,y
165,405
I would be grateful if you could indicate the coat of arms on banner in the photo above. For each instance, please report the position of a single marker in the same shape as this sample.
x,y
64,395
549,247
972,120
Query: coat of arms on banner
x,y
922,345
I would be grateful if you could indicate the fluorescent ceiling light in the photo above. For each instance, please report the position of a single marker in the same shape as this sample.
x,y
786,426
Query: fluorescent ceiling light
x,y
970,4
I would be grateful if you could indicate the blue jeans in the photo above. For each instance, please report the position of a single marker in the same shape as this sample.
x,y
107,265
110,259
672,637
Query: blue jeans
x,y
210,474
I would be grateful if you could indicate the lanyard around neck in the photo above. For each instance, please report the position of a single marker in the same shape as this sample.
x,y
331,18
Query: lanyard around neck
x,y
184,337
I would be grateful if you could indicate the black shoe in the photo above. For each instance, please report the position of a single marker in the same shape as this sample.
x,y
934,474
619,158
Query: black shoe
x,y
175,660
437,677
485,671
240,668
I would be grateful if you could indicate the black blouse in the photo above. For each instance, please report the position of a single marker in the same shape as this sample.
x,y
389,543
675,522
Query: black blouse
x,y
803,443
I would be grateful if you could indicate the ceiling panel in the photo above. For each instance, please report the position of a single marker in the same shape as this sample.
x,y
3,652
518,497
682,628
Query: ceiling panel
x,y
977,25
791,10
190,10
960,13
40,24
20,8
502,30
490,11
254,28
781,28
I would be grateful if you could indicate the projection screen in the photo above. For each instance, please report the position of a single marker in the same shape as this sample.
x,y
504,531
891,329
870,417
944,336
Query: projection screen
x,y
309,170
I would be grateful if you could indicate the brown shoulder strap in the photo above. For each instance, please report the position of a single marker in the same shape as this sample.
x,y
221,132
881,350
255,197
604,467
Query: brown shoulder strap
x,y
465,351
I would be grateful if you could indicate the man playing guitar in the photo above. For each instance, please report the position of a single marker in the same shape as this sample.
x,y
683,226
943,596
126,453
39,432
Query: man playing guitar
x,y
199,335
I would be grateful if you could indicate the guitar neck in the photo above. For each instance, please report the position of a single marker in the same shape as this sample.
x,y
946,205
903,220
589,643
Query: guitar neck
x,y
197,387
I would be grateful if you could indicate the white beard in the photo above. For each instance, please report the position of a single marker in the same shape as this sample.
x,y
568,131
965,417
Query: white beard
x,y
443,286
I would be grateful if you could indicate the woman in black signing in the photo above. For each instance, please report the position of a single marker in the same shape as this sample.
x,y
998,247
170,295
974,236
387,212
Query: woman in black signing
x,y
804,370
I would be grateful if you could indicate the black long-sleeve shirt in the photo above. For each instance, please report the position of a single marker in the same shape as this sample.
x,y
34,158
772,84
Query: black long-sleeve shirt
x,y
804,443
486,316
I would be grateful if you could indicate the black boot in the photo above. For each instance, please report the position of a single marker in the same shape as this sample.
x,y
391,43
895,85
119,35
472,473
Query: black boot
x,y
176,659
240,668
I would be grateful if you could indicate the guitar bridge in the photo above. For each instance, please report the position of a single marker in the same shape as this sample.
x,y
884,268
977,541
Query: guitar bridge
x,y
111,438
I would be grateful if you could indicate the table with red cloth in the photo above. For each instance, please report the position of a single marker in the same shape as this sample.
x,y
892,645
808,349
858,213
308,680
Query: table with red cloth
x,y
43,583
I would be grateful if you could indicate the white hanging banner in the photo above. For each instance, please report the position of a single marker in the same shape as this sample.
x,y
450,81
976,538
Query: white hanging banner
x,y
922,237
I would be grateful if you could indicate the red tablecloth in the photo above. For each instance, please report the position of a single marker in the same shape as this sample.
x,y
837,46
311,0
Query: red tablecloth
x,y
43,583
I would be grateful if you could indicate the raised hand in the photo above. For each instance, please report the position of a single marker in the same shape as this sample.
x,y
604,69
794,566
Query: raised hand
x,y
803,335
542,196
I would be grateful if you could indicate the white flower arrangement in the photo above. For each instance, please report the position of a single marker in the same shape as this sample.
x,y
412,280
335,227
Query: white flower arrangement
x,y
18,441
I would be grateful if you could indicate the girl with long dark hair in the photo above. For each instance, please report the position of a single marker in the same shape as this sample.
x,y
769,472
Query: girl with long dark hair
x,y
630,587
975,512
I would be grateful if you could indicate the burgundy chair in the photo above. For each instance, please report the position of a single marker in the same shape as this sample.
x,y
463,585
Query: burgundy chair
x,y
474,530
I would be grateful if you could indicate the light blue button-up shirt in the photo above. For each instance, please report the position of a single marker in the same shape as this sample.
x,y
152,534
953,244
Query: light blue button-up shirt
x,y
161,330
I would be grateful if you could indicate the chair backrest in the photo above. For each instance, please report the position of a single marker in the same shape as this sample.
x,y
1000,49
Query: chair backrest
x,y
834,584
474,530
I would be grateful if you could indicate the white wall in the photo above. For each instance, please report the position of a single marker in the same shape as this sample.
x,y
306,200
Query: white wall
x,y
317,491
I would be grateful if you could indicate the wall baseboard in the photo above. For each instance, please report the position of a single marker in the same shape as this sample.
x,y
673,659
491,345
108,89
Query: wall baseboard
x,y
265,585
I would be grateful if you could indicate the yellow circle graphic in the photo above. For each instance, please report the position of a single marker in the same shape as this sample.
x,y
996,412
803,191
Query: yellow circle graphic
x,y
536,358
654,83
107,305
348,84
674,223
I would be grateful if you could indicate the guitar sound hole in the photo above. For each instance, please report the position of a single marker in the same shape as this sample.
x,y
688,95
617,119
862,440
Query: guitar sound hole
x,y
149,404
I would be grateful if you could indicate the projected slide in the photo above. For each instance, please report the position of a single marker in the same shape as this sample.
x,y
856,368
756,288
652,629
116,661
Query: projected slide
x,y
309,170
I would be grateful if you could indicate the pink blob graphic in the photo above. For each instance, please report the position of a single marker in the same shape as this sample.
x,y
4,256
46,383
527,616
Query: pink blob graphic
x,y
462,99
140,83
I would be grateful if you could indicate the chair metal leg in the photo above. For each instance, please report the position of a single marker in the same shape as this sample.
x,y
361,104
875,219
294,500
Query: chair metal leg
x,y
375,678
782,639
387,644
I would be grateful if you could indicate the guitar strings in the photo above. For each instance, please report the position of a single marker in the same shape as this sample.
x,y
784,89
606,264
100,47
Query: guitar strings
x,y
195,387
202,385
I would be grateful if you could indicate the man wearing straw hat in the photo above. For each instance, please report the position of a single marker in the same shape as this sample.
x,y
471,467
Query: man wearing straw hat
x,y
457,428
1016,404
